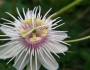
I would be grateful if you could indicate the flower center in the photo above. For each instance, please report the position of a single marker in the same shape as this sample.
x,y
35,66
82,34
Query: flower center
x,y
34,29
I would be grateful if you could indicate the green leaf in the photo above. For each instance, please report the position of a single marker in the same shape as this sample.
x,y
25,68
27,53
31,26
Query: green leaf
x,y
11,68
87,65
85,55
2,67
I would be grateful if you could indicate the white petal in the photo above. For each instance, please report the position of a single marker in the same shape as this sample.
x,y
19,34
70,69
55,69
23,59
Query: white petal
x,y
17,24
17,65
56,47
59,32
49,20
7,44
50,25
29,14
58,38
58,35
3,46
52,65
5,52
33,65
9,31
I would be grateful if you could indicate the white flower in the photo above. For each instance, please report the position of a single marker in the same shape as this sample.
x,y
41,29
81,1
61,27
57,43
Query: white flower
x,y
32,40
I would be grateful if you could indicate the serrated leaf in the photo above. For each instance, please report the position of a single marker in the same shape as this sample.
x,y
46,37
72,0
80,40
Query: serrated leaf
x,y
2,67
11,68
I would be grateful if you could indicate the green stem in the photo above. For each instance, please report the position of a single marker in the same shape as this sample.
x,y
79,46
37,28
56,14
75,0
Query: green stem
x,y
76,40
66,8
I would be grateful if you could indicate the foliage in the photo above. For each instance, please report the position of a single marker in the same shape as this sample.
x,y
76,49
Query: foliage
x,y
9,68
77,21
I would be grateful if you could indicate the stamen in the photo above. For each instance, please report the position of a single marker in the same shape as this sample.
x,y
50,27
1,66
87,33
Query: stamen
x,y
22,31
24,36
27,21
33,21
44,32
39,22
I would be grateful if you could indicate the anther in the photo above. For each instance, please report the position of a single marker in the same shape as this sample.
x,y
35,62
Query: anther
x,y
44,32
22,31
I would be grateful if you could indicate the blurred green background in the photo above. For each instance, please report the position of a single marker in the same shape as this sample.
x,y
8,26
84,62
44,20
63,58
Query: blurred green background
x,y
77,23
